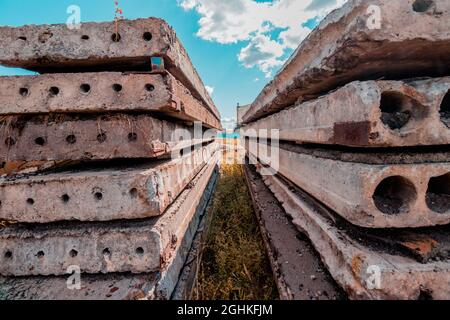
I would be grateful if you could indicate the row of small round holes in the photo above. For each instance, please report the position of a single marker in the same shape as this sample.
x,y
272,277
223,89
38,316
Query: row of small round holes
x,y
74,253
115,37
84,88
70,139
65,198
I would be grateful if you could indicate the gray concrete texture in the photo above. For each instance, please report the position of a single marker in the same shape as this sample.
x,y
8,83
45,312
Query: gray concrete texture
x,y
350,44
362,270
102,92
100,194
368,195
102,137
368,114
116,286
143,246
97,47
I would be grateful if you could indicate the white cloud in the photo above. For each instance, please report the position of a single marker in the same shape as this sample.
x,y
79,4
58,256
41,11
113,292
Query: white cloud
x,y
209,89
229,123
251,22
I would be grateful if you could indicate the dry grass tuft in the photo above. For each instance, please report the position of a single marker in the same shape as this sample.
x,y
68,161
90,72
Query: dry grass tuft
x,y
234,265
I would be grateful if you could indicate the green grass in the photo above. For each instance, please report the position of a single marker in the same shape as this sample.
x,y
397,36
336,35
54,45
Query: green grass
x,y
234,265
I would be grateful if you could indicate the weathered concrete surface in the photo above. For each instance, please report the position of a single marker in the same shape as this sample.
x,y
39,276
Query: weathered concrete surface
x,y
157,285
56,48
353,264
368,195
102,92
297,268
66,137
348,46
100,195
132,246
368,114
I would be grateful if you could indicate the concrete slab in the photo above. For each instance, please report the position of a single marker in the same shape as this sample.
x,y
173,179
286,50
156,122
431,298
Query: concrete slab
x,y
105,137
102,92
368,114
112,286
365,39
297,268
96,47
143,246
363,271
369,195
100,195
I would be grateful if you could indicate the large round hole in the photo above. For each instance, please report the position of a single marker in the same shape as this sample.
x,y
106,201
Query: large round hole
x,y
422,5
438,194
149,87
71,139
85,88
147,36
40,254
107,252
134,193
85,37
394,195
445,110
397,110
23,92
73,253
54,91
23,38
30,201
116,37
8,254
117,87
40,141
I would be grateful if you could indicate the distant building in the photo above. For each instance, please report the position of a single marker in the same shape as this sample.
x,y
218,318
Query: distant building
x,y
241,111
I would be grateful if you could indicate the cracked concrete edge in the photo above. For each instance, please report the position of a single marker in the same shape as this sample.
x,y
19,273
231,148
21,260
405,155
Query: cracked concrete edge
x,y
354,115
343,48
102,287
133,246
100,195
55,48
350,262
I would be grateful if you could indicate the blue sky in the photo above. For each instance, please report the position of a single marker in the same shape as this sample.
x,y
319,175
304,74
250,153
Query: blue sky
x,y
236,45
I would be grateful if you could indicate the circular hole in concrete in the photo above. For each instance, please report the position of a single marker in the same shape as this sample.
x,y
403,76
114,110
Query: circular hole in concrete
x,y
40,254
40,141
30,201
444,110
10,141
8,254
107,252
73,253
132,137
398,110
140,251
101,137
117,87
422,5
147,36
23,92
45,36
98,196
54,91
23,38
71,139
149,87
438,194
134,193
85,88
84,37
65,198
116,37
394,195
